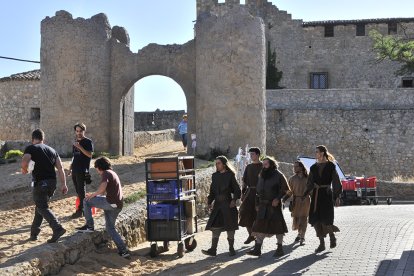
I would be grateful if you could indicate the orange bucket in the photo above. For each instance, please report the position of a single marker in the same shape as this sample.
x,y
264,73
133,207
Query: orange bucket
x,y
77,202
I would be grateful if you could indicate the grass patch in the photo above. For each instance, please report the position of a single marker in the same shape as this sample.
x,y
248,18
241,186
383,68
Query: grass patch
x,y
106,154
207,165
135,197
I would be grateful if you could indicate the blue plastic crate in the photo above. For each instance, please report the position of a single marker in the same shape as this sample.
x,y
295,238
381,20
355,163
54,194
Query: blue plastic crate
x,y
163,187
165,211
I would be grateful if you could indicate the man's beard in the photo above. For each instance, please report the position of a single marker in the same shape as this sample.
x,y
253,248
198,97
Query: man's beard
x,y
267,172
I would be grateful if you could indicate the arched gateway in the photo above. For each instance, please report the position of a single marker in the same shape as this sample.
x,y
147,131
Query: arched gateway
x,y
88,71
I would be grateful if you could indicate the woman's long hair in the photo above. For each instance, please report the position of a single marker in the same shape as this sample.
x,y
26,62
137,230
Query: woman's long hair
x,y
326,153
304,170
226,164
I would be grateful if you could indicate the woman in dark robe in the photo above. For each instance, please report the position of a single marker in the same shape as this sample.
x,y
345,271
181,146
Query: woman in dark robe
x,y
224,192
326,189
272,186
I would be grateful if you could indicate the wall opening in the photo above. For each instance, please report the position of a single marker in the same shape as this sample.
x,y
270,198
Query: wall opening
x,y
35,113
160,103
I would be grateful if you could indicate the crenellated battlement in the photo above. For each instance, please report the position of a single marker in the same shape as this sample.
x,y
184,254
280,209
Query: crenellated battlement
x,y
261,8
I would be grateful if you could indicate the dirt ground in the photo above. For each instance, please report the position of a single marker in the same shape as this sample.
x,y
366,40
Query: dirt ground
x,y
16,213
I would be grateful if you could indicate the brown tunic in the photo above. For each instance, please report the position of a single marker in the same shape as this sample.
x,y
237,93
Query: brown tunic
x,y
247,208
297,188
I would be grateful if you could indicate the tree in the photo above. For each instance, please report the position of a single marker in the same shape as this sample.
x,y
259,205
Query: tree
x,y
395,48
273,75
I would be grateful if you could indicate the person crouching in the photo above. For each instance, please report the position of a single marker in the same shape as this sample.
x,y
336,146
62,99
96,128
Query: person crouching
x,y
224,192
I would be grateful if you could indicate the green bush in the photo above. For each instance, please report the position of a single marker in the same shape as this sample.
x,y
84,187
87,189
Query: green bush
x,y
13,154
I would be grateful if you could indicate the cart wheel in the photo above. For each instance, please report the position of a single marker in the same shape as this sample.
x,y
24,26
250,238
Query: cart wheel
x,y
154,250
389,201
190,244
180,250
375,201
368,202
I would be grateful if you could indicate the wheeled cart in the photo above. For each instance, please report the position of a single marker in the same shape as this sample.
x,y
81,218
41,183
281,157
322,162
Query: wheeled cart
x,y
171,201
362,190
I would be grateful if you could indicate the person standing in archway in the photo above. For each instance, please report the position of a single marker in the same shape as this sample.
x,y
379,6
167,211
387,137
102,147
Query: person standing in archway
x,y
326,188
250,179
82,150
300,205
224,192
182,130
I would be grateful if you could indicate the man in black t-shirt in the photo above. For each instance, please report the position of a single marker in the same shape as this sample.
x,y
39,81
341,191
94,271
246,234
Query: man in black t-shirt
x,y
82,154
46,160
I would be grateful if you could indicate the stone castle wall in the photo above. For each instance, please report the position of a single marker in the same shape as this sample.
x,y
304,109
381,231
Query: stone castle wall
x,y
302,48
158,120
19,106
369,131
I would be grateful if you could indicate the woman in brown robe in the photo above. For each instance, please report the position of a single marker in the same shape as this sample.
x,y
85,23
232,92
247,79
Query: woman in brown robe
x,y
297,187
326,189
250,179
224,192
272,186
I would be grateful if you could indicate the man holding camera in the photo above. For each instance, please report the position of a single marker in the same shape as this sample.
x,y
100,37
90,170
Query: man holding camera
x,y
79,169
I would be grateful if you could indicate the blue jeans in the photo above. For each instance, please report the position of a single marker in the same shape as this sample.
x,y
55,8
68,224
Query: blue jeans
x,y
111,214
184,139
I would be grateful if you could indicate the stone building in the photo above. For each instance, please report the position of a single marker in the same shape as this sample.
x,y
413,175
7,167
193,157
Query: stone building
x,y
334,91
19,105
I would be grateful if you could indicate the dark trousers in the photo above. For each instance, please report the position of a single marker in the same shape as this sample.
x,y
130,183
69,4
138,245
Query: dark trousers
x,y
80,186
184,139
42,192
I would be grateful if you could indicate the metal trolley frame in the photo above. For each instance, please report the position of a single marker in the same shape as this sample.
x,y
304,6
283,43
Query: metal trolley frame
x,y
178,174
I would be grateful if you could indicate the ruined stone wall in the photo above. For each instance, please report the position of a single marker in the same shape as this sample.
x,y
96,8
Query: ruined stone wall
x,y
19,106
230,73
369,131
158,120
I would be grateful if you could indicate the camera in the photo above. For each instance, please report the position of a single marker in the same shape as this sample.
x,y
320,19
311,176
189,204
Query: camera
x,y
88,179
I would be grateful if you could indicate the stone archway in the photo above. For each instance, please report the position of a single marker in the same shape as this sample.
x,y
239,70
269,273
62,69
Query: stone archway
x,y
174,61
88,71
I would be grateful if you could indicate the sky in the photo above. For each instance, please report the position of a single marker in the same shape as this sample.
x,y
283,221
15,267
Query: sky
x,y
160,21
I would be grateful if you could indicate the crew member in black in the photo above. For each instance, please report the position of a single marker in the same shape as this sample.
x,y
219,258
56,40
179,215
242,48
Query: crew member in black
x,y
79,169
44,183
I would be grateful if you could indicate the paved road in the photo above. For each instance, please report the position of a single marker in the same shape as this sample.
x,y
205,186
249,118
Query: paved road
x,y
374,240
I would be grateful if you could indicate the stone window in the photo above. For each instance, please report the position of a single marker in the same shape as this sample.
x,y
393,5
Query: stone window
x,y
329,30
392,28
35,113
360,29
407,82
319,80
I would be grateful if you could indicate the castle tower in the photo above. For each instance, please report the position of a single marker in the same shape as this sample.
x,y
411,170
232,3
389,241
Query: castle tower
x,y
230,74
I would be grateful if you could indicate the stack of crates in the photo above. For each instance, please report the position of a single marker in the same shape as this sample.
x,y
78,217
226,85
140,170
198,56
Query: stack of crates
x,y
349,190
169,184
